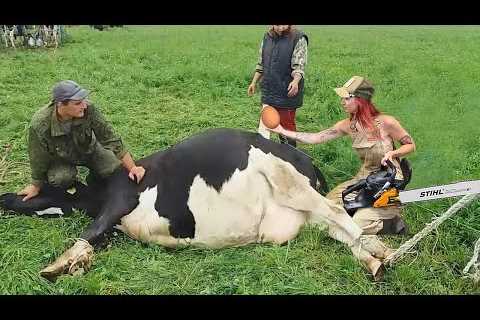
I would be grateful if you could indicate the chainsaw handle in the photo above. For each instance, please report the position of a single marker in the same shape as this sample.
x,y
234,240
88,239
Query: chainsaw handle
x,y
391,169
354,187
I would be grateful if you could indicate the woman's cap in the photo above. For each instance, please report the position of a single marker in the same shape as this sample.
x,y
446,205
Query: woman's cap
x,y
357,86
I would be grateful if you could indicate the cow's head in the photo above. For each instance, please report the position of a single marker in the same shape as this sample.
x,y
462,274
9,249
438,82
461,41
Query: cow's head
x,y
43,204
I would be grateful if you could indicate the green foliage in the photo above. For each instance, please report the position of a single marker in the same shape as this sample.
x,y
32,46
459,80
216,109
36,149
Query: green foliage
x,y
159,85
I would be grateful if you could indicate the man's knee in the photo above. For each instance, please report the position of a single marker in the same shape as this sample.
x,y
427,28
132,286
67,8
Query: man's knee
x,y
63,177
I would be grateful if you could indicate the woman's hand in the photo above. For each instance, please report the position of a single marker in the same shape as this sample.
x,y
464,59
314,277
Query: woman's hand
x,y
292,88
388,156
279,129
251,89
136,173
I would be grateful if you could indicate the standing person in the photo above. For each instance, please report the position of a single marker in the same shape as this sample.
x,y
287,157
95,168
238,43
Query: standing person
x,y
373,134
68,132
281,66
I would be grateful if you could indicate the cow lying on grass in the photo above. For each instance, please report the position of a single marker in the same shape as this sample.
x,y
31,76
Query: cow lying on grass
x,y
220,188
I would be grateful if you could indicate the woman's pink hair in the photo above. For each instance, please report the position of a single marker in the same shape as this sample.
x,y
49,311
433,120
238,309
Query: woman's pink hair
x,y
366,112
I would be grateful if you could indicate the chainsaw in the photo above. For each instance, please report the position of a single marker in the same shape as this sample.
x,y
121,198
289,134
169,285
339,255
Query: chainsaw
x,y
381,189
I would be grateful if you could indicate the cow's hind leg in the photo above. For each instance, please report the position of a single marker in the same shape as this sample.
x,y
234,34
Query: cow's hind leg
x,y
293,190
368,249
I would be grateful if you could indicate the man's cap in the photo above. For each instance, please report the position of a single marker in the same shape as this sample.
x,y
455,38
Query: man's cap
x,y
356,86
68,90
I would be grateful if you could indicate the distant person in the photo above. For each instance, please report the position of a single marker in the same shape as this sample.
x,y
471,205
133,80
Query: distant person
x,y
69,132
281,68
373,134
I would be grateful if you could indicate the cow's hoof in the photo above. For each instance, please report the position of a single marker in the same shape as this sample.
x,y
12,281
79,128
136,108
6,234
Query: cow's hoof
x,y
375,247
389,252
379,274
75,260
377,269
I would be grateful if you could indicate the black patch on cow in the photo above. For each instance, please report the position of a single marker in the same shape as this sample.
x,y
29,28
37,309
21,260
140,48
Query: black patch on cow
x,y
214,155
121,196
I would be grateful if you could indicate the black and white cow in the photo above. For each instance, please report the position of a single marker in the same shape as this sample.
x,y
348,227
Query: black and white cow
x,y
220,188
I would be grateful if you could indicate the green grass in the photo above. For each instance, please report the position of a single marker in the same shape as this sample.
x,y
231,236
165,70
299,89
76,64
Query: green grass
x,y
159,85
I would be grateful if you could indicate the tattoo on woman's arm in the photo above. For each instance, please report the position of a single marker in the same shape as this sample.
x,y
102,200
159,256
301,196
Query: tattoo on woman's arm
x,y
406,140
320,137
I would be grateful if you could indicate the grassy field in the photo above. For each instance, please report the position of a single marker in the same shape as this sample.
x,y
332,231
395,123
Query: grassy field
x,y
161,84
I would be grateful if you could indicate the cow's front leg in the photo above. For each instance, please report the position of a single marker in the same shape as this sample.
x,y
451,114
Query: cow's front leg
x,y
80,256
77,259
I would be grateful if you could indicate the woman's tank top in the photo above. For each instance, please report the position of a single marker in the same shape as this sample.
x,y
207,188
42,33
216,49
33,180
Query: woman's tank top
x,y
371,147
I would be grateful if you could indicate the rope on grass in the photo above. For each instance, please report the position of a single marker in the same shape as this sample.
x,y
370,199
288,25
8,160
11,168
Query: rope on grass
x,y
474,272
400,252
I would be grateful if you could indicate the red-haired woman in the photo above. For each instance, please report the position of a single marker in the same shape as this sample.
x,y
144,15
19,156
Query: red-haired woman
x,y
373,134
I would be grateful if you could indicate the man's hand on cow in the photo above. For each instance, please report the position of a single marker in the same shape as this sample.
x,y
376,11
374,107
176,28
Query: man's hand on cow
x,y
29,192
136,173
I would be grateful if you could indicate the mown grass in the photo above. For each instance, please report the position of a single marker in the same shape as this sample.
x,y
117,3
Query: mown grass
x,y
159,85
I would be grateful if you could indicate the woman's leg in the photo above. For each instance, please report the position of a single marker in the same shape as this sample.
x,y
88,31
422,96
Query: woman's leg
x,y
380,220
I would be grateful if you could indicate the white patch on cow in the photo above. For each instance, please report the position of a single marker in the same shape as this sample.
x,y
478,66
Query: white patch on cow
x,y
246,209
145,224
52,210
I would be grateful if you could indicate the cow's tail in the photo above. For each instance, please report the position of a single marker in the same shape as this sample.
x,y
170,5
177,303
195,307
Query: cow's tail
x,y
321,185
